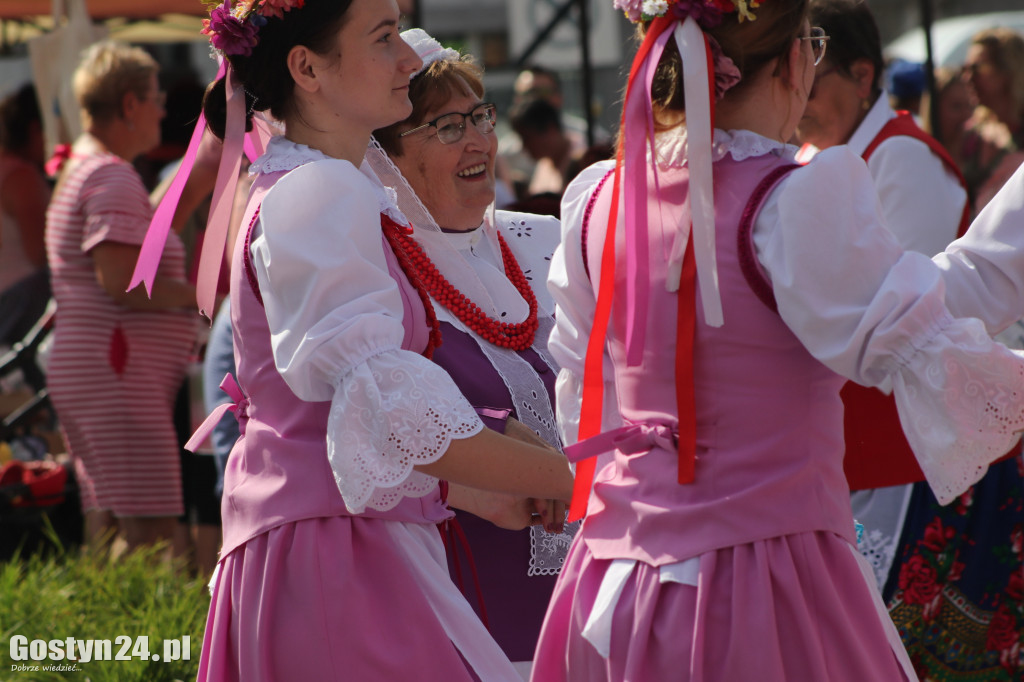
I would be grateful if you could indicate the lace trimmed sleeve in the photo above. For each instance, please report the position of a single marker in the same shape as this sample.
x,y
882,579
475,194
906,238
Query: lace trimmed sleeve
x,y
391,413
876,315
961,404
335,316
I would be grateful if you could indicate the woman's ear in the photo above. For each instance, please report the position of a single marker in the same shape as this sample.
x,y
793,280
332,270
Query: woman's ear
x,y
129,104
863,72
300,61
791,68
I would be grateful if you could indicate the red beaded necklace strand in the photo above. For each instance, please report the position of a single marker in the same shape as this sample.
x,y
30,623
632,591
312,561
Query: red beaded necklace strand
x,y
397,235
514,336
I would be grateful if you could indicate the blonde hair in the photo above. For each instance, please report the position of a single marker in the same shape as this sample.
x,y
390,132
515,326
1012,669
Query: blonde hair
x,y
107,72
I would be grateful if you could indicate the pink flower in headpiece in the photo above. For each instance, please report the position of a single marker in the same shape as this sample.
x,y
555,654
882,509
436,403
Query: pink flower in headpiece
x,y
277,8
230,35
727,74
631,8
707,13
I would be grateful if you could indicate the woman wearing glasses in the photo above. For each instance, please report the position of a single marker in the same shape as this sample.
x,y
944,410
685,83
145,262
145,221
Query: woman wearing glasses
x,y
923,195
732,292
441,162
925,205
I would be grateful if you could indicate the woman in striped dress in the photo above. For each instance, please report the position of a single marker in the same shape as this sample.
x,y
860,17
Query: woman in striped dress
x,y
118,357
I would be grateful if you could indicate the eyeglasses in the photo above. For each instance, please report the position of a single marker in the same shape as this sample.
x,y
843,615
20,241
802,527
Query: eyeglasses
x,y
819,39
451,127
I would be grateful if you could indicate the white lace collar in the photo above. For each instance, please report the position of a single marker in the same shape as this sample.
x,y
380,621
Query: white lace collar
x,y
739,144
284,155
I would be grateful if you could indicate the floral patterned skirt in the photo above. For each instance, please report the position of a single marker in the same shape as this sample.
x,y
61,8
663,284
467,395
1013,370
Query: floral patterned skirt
x,y
956,592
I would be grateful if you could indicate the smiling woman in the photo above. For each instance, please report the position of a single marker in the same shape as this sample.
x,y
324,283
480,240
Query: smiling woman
x,y
485,273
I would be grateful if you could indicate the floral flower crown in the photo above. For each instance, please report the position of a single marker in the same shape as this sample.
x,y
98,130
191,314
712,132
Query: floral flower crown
x,y
707,13
233,26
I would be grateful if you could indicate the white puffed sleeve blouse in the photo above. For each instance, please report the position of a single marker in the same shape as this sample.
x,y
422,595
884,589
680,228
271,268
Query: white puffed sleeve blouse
x,y
860,304
335,316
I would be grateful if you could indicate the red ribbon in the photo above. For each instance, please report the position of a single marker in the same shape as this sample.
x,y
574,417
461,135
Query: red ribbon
x,y
452,536
593,380
686,404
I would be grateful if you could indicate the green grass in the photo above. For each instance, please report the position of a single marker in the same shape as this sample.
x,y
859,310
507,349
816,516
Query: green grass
x,y
84,595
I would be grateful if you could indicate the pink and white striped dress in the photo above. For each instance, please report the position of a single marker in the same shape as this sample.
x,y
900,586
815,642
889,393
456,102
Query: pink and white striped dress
x,y
114,371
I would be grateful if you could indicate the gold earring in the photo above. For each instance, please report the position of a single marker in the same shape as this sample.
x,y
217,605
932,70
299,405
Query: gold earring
x,y
865,104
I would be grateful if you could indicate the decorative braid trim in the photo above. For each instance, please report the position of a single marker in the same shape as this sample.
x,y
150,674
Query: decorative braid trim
x,y
751,269
250,271
586,219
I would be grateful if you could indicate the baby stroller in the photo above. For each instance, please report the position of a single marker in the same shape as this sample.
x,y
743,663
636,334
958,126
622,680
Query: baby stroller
x,y
36,492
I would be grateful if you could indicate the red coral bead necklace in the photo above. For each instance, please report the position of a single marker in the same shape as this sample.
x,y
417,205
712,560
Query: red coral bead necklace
x,y
514,336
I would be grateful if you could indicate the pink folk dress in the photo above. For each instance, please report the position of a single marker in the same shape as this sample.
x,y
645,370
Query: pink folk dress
x,y
325,574
751,572
114,371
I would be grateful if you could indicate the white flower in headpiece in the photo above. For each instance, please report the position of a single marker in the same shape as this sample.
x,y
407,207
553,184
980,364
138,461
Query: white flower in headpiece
x,y
654,8
427,48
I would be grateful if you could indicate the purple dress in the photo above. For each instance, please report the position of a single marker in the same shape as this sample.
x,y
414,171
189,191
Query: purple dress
x,y
515,571
515,601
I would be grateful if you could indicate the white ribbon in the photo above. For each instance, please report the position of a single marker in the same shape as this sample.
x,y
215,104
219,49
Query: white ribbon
x,y
696,89
598,628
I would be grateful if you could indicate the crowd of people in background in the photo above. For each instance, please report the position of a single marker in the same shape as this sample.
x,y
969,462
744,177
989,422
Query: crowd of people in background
x,y
980,112
126,369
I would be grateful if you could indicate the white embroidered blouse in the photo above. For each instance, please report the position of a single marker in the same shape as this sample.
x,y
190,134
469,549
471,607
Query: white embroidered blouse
x,y
860,304
335,315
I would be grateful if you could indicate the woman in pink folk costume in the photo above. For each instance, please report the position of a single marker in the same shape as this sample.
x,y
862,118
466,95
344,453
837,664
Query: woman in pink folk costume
x,y
723,295
332,567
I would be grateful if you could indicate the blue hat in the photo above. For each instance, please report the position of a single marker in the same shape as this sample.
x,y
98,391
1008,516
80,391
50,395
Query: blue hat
x,y
905,79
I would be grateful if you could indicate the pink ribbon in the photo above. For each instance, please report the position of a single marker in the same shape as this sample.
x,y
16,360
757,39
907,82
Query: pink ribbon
x,y
223,197
629,439
156,236
639,112
257,139
235,142
236,407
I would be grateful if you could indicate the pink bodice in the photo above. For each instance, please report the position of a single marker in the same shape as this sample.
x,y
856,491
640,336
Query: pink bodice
x,y
769,417
278,472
